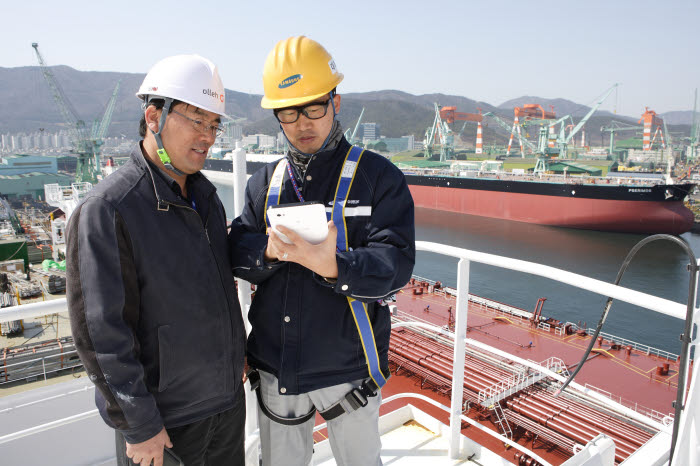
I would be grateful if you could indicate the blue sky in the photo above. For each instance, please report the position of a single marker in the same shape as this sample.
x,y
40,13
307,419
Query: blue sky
x,y
489,51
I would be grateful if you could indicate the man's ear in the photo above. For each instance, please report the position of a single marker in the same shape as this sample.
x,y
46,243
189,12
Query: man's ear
x,y
336,102
152,115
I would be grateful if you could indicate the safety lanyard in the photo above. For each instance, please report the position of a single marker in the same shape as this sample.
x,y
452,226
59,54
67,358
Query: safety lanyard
x,y
294,182
342,190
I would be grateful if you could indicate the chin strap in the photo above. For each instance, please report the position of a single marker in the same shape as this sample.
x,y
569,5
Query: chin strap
x,y
162,153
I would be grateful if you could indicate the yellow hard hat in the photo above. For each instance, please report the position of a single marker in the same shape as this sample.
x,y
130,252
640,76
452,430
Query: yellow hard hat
x,y
298,70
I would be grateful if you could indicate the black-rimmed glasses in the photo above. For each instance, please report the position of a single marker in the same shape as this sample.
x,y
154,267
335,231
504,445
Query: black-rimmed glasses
x,y
203,126
312,111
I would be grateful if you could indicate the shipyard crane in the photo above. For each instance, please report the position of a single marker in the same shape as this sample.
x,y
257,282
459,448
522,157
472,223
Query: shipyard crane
x,y
450,115
439,136
99,131
693,140
616,127
351,137
651,120
508,127
546,142
534,111
563,140
99,127
86,145
668,135
529,113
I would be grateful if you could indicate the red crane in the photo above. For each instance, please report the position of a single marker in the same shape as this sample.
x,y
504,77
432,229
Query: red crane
x,y
534,111
650,119
450,114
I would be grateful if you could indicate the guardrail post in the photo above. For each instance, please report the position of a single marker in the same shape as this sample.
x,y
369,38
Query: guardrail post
x,y
458,356
239,180
43,366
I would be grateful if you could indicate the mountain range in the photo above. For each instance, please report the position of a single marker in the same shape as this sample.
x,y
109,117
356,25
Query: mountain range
x,y
26,105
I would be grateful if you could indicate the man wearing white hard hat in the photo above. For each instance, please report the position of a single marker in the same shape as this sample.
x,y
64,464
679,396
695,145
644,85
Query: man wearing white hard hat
x,y
152,299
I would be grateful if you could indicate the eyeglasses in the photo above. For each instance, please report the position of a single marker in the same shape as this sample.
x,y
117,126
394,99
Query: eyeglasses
x,y
312,111
203,126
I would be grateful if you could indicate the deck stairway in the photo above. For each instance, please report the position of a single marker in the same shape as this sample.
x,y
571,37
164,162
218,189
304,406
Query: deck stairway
x,y
518,382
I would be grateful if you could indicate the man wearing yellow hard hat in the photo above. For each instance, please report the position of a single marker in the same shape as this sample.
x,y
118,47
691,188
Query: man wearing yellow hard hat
x,y
320,326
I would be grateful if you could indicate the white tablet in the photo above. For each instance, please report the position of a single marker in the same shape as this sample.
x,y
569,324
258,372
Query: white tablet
x,y
307,219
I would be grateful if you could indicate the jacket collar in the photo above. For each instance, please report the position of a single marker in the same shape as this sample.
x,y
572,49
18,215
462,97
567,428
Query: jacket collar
x,y
328,159
161,181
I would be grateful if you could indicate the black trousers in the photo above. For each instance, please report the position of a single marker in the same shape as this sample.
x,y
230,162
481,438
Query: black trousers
x,y
214,441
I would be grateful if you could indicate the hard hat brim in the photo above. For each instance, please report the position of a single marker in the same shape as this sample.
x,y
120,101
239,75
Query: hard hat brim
x,y
143,98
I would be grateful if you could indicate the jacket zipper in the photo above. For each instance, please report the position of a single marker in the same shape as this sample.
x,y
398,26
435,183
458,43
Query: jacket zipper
x,y
229,335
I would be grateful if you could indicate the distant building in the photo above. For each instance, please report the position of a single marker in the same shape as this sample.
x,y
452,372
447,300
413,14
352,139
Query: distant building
x,y
261,140
30,184
370,131
392,144
282,145
235,132
650,156
21,163
38,140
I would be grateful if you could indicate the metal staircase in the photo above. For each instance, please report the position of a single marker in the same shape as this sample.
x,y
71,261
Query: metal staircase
x,y
519,381
501,420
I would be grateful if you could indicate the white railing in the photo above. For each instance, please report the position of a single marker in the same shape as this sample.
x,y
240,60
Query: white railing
x,y
625,342
652,413
32,369
489,303
465,257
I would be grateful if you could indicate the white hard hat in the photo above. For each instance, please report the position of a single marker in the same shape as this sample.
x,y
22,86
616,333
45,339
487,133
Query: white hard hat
x,y
189,78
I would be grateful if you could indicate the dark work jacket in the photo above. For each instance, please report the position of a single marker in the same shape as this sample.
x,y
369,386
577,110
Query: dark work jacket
x,y
153,303
318,345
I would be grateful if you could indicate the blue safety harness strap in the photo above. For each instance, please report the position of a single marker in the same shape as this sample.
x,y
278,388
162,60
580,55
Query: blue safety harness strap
x,y
356,398
359,309
274,189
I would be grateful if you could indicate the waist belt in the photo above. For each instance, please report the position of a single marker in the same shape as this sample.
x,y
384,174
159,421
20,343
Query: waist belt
x,y
355,399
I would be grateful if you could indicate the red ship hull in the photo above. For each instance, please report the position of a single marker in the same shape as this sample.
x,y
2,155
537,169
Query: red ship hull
x,y
629,216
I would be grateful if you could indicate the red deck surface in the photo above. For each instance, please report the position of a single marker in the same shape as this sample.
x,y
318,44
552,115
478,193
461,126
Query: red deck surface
x,y
630,376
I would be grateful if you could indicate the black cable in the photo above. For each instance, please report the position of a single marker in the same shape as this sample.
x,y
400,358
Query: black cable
x,y
685,336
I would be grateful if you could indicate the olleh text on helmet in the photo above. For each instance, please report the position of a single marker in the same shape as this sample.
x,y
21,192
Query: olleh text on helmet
x,y
213,94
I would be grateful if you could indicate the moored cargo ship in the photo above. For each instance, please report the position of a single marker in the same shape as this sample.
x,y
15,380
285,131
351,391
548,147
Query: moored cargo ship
x,y
591,203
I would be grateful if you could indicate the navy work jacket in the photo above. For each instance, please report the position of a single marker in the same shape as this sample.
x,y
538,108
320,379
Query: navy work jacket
x,y
303,330
152,301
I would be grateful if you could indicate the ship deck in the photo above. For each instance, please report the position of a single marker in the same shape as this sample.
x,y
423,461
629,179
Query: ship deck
x,y
547,424
612,368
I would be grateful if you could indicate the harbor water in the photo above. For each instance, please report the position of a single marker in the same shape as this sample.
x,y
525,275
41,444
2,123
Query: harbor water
x,y
659,269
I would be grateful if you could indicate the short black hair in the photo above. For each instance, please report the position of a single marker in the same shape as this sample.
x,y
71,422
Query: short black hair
x,y
158,104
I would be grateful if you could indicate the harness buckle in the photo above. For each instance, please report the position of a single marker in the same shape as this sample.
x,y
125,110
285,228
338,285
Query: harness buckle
x,y
357,399
254,379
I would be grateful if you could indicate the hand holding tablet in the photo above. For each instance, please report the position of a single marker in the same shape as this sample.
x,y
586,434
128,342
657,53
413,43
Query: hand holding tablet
x,y
307,219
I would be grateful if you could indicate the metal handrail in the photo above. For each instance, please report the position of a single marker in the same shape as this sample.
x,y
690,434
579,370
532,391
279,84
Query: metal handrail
x,y
465,256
